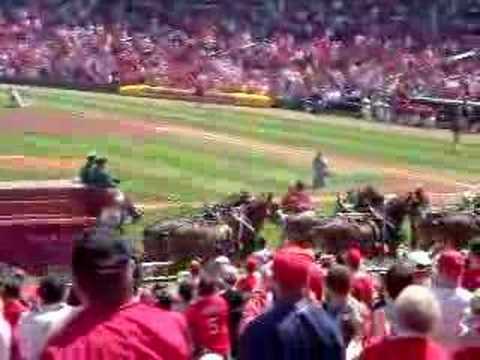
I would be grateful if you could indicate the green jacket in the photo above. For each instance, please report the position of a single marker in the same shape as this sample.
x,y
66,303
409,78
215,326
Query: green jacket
x,y
102,179
85,172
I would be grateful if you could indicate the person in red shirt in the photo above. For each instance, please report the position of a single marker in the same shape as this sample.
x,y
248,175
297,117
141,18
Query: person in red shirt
x,y
363,287
13,305
297,200
112,324
471,276
207,320
418,313
251,281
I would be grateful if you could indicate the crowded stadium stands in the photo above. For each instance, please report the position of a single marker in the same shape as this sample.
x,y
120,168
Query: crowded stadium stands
x,y
288,303
288,48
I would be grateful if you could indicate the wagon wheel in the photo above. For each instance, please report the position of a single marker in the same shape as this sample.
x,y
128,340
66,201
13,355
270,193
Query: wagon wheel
x,y
475,128
402,119
430,122
414,119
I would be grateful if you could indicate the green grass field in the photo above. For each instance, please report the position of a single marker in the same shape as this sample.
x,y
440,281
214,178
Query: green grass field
x,y
189,169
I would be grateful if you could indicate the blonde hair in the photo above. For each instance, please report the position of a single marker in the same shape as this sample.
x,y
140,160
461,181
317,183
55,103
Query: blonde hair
x,y
417,310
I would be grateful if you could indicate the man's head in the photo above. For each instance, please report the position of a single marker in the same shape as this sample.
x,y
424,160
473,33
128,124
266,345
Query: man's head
x,y
474,255
450,267
207,285
101,161
103,267
229,279
398,277
91,156
299,186
338,281
195,268
186,291
164,299
12,287
291,267
353,258
417,310
51,290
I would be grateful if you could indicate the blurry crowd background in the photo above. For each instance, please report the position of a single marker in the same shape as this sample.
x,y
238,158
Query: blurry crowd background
x,y
279,47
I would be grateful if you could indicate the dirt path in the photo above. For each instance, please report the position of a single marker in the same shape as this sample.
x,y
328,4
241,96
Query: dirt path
x,y
62,123
22,162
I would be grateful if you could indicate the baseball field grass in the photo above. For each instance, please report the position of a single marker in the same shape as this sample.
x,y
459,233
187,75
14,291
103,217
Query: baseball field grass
x,y
182,154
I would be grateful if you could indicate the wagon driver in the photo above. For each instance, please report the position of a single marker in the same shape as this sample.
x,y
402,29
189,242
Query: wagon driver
x,y
320,171
98,176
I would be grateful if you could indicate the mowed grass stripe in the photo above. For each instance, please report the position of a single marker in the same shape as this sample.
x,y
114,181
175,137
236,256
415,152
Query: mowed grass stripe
x,y
155,169
375,144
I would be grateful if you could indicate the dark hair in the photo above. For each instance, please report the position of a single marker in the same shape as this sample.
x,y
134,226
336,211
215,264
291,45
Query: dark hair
x,y
185,290
51,290
299,185
397,278
206,286
99,263
12,286
72,298
164,299
339,280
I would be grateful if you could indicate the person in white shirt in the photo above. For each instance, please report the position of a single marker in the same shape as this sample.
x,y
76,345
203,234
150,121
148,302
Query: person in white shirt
x,y
36,327
453,299
5,337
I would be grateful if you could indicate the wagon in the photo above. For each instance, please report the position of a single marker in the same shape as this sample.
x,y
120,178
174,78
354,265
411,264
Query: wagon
x,y
40,220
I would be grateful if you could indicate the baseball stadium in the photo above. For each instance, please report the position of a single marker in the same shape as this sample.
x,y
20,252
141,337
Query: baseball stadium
x,y
229,158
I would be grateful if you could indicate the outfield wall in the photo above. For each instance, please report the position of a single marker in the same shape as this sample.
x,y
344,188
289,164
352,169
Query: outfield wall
x,y
140,90
236,98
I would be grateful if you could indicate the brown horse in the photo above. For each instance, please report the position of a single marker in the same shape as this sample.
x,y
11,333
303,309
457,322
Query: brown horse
x,y
446,229
234,229
248,218
366,231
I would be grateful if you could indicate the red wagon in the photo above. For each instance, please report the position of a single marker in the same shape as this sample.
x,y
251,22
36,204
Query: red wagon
x,y
39,221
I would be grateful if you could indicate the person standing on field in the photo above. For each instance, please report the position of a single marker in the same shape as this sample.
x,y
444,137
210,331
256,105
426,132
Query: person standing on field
x,y
320,171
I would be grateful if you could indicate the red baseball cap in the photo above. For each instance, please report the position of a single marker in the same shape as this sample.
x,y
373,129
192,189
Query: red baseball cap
x,y
251,264
291,268
451,263
353,257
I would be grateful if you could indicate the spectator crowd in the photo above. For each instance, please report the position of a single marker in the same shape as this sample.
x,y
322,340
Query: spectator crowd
x,y
283,304
281,48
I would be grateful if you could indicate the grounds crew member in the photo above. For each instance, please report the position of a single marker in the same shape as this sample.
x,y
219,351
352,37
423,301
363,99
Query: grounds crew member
x,y
86,169
320,171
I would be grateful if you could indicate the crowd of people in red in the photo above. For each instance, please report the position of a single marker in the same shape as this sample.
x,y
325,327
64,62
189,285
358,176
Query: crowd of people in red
x,y
298,52
282,304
